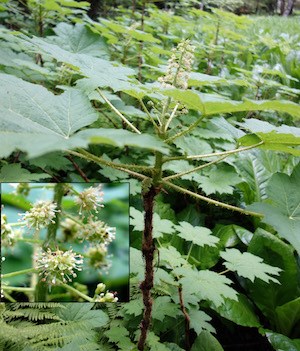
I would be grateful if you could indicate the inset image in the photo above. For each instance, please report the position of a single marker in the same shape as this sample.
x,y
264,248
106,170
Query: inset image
x,y
64,242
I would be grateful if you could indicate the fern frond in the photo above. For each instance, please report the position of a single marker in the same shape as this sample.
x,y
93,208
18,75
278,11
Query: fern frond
x,y
31,314
36,305
11,339
112,310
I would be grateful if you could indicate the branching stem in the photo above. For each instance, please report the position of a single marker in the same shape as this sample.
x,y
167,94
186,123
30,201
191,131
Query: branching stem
x,y
214,154
90,157
211,201
178,175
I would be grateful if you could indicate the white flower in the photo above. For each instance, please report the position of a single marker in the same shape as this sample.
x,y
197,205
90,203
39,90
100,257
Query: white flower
x,y
40,215
90,199
106,297
58,264
179,66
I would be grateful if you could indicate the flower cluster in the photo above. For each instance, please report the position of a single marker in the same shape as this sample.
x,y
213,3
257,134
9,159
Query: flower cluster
x,y
104,296
40,215
97,232
98,257
9,236
70,227
59,264
179,66
90,199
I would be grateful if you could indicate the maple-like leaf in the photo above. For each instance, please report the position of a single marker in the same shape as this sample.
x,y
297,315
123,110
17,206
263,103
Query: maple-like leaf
x,y
207,285
160,226
249,266
199,321
200,236
163,306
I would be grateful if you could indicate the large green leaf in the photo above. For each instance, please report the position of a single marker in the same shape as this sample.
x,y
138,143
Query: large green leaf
x,y
160,226
240,312
122,137
281,342
98,72
283,138
282,208
206,342
33,119
79,39
288,316
267,296
209,104
273,141
255,168
163,306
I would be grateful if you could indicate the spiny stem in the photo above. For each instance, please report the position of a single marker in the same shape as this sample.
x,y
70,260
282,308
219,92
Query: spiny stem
x,y
214,154
178,175
90,157
148,249
79,293
14,274
211,201
225,152
118,112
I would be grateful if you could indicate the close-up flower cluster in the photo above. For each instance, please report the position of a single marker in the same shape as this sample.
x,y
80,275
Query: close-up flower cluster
x,y
40,215
66,236
90,199
58,265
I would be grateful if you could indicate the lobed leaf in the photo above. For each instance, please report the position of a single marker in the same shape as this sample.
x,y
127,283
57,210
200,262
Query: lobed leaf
x,y
200,236
248,265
